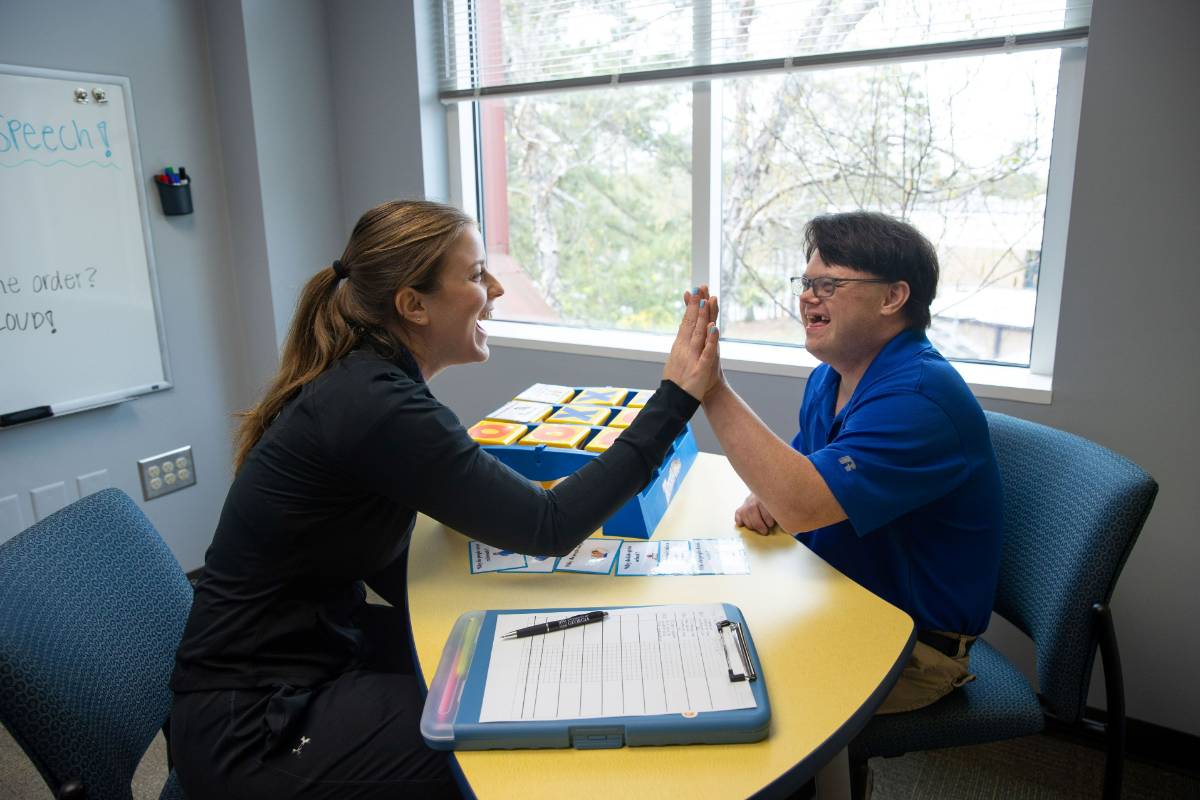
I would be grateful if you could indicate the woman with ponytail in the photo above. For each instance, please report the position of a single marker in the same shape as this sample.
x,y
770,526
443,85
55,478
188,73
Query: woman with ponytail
x,y
287,683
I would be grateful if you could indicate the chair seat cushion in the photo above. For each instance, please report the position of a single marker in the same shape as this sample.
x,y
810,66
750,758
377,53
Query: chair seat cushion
x,y
999,704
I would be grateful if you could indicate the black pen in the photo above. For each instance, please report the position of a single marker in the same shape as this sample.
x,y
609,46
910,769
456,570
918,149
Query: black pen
x,y
556,625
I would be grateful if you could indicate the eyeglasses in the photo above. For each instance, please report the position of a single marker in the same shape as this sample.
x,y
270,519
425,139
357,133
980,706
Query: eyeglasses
x,y
825,286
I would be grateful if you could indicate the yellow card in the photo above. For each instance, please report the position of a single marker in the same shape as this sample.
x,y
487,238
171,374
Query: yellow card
x,y
491,432
601,396
603,440
579,415
624,417
567,436
640,399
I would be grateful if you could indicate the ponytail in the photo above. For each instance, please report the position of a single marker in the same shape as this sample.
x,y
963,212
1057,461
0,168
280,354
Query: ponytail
x,y
318,337
394,245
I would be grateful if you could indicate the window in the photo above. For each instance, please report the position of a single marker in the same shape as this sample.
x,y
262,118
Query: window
x,y
620,151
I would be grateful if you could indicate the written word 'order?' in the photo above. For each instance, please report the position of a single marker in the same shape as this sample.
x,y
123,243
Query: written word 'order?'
x,y
57,281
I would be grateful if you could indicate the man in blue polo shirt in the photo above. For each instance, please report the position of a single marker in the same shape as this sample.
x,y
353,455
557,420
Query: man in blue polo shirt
x,y
891,478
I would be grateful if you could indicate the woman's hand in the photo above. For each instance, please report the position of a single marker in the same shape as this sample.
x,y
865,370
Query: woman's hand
x,y
694,364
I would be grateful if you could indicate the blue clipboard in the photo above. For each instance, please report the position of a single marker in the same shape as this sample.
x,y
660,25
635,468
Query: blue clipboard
x,y
450,719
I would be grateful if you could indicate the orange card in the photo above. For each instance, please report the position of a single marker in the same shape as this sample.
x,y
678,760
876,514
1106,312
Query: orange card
x,y
556,435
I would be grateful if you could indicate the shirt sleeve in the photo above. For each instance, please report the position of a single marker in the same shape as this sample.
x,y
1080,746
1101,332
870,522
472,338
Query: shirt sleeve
x,y
421,456
895,453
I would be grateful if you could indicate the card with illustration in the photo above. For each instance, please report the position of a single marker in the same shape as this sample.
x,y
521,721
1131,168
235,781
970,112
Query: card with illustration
x,y
675,557
536,564
547,393
485,558
721,557
638,558
595,556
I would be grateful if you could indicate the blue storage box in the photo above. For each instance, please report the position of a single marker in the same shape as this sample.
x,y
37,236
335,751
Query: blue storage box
x,y
638,518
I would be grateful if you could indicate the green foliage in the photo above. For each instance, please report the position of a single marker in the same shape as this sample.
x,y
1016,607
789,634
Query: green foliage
x,y
603,223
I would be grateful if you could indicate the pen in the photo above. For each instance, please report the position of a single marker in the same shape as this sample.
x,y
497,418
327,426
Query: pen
x,y
556,625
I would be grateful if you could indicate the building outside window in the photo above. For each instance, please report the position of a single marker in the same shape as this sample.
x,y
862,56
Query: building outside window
x,y
619,151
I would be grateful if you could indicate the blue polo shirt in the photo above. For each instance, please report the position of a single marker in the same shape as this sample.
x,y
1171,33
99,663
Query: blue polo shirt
x,y
911,462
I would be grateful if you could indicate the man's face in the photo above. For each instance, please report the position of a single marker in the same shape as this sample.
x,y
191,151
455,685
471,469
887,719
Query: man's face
x,y
848,327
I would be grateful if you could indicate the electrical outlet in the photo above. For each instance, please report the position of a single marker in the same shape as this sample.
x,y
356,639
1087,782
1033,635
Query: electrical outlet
x,y
167,472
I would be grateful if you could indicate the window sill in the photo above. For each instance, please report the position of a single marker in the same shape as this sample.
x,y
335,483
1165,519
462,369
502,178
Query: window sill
x,y
987,381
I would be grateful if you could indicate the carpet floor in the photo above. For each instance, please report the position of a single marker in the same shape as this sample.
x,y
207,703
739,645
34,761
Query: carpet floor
x,y
1033,768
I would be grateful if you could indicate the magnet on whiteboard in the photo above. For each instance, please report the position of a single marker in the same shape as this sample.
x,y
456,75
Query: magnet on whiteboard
x,y
101,95
82,96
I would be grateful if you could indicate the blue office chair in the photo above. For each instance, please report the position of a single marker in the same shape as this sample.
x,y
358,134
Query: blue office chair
x,y
1072,511
92,607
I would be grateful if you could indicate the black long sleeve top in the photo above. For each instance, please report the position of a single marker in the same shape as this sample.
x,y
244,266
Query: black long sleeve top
x,y
330,494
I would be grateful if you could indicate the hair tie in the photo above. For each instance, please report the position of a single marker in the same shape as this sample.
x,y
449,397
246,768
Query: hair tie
x,y
339,269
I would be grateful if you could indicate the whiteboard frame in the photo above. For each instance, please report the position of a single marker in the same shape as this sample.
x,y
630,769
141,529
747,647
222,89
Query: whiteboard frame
x,y
112,398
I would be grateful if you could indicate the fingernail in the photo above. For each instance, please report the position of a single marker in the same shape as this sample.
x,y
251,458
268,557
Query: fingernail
x,y
714,329
702,304
696,290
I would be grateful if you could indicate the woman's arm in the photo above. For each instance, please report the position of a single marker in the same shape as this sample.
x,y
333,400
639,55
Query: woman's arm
x,y
445,474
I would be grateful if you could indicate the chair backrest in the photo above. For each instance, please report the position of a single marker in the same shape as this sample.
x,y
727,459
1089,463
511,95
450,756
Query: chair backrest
x,y
1072,511
92,607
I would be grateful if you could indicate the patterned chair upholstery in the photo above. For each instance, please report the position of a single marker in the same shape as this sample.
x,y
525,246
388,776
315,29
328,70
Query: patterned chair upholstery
x,y
1072,512
92,607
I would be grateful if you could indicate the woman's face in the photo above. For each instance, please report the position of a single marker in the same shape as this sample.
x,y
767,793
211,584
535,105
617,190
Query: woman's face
x,y
465,293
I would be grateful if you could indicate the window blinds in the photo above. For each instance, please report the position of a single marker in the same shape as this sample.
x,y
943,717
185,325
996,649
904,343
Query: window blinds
x,y
509,47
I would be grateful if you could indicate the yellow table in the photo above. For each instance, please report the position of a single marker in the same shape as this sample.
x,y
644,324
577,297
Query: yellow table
x,y
830,652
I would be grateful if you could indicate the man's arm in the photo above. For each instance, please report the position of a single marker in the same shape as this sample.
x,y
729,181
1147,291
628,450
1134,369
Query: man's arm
x,y
784,481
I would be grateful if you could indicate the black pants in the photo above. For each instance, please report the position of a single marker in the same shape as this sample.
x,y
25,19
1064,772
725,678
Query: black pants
x,y
355,737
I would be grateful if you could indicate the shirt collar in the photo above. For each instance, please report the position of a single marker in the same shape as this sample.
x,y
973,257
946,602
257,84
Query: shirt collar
x,y
397,355
901,349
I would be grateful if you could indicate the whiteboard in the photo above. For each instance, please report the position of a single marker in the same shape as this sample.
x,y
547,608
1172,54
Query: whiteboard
x,y
80,323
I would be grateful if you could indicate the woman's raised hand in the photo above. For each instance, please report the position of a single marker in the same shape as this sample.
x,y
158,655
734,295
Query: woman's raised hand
x,y
694,364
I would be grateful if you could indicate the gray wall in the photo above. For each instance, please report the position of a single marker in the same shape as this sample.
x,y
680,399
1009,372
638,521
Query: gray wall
x,y
271,68
161,48
1125,374
386,149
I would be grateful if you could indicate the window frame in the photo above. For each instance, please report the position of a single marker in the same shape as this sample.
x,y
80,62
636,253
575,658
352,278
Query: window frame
x,y
1032,384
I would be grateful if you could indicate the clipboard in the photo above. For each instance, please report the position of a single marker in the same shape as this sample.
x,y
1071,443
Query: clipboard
x,y
454,705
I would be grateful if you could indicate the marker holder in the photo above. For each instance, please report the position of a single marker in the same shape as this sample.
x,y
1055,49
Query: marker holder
x,y
176,198
638,518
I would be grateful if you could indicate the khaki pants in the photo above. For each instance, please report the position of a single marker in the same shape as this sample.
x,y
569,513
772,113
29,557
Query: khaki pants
x,y
929,676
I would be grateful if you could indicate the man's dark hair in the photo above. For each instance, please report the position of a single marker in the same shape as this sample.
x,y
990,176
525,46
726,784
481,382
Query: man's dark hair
x,y
882,246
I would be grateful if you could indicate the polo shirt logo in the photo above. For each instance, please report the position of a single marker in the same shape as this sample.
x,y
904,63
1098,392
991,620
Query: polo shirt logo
x,y
848,463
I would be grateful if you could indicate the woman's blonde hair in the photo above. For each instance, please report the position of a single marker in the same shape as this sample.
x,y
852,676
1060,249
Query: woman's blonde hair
x,y
395,245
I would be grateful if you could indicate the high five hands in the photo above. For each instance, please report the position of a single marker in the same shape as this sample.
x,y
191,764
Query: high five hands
x,y
694,363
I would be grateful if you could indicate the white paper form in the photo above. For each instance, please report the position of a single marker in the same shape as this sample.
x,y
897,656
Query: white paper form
x,y
637,662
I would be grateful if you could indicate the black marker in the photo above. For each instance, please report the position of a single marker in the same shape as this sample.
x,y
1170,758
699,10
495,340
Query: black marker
x,y
28,415
556,625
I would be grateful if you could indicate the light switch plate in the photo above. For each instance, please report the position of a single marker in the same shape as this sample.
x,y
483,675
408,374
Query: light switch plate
x,y
48,499
92,482
12,520
167,472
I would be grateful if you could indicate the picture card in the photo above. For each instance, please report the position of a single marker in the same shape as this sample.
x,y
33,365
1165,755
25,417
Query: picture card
x,y
547,393
595,556
485,558
637,558
521,411
536,564
721,556
675,557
